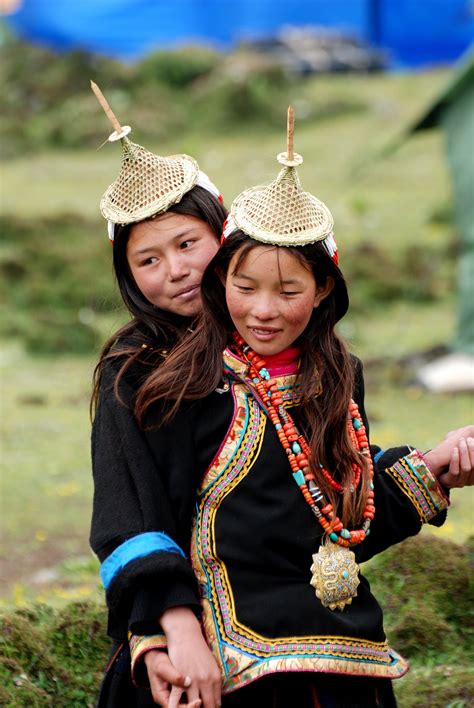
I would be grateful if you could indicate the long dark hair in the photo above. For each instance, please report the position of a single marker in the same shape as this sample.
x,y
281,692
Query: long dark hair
x,y
326,372
149,323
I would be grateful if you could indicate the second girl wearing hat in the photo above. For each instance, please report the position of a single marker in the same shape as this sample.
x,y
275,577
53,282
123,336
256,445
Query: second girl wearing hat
x,y
164,222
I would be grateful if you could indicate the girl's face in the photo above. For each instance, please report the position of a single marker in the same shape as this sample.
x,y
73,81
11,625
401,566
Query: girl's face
x,y
167,257
271,298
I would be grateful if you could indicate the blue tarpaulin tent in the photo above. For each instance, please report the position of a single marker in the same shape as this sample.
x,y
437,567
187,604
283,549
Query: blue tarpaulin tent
x,y
415,32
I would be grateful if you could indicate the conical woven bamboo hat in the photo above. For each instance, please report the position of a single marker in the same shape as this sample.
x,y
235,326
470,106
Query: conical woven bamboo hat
x,y
282,213
147,184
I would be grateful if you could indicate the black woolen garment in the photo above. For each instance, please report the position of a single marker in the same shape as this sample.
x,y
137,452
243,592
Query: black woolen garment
x,y
147,480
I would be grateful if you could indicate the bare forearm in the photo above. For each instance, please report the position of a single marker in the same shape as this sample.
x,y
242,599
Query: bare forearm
x,y
191,656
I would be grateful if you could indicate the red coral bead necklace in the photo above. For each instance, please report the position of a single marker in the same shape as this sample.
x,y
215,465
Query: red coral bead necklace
x,y
298,452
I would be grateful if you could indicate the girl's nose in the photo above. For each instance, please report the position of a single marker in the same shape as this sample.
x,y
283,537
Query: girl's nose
x,y
265,308
177,268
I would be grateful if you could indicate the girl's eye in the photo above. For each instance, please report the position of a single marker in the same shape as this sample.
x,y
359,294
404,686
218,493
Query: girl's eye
x,y
244,289
289,293
186,244
150,260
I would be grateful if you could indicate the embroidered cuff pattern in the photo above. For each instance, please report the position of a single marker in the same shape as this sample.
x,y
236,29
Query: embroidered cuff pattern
x,y
139,645
416,480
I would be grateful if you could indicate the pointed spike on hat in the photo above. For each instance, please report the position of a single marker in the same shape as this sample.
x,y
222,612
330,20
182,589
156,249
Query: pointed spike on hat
x,y
290,158
119,130
290,131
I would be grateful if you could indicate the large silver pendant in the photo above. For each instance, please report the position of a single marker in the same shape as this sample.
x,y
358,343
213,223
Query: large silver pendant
x,y
335,575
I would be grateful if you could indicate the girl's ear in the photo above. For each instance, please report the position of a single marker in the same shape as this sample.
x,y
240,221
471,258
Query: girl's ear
x,y
323,291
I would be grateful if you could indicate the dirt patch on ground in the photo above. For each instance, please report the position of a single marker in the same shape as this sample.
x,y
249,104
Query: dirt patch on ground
x,y
39,568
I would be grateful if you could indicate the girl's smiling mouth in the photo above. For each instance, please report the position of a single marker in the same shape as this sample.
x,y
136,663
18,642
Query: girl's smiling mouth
x,y
264,333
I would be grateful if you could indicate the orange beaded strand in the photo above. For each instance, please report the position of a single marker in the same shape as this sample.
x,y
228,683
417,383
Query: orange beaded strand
x,y
298,452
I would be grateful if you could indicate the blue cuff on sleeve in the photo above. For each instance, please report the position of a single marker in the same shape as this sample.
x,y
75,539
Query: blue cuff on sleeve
x,y
378,455
136,547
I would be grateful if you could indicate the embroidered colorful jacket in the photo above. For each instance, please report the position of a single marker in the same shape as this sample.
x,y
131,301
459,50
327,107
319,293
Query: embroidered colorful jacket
x,y
211,498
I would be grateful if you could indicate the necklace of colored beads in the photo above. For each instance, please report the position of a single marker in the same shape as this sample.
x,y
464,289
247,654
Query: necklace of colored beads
x,y
298,452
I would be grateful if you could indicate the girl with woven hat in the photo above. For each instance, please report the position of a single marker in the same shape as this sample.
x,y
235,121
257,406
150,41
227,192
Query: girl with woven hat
x,y
164,221
271,493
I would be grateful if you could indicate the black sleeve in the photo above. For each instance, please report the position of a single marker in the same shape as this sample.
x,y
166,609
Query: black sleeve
x,y
397,516
130,501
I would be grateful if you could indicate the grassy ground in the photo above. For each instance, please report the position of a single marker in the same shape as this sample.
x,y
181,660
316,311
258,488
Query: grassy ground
x,y
46,482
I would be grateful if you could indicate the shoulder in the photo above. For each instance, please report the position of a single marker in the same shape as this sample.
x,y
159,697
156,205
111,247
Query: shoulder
x,y
357,365
357,370
358,391
131,360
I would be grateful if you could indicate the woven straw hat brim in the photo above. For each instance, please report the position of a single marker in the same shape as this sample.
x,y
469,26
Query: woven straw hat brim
x,y
147,185
281,215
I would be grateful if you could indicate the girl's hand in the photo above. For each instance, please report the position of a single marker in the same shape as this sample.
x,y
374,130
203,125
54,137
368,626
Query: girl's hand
x,y
453,469
164,679
461,466
439,458
190,655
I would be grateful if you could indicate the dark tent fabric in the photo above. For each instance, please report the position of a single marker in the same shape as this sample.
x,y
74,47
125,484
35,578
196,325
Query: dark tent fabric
x,y
415,33
453,112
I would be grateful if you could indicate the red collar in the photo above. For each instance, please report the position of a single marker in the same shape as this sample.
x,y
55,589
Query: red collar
x,y
284,363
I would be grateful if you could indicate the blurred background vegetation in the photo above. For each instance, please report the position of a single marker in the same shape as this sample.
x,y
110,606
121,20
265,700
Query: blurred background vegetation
x,y
398,249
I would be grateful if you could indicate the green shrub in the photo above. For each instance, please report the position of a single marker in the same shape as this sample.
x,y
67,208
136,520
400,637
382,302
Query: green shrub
x,y
449,685
426,588
52,658
178,68
168,92
244,88
58,108
56,277
377,276
54,100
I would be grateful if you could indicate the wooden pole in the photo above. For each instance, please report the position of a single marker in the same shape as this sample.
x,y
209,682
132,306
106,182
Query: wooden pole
x,y
290,133
107,109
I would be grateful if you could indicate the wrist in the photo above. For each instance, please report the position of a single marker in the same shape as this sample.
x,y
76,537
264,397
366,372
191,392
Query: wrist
x,y
426,456
149,654
179,621
434,467
431,460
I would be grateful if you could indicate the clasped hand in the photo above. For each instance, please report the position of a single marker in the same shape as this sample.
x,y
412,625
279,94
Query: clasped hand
x,y
187,667
452,460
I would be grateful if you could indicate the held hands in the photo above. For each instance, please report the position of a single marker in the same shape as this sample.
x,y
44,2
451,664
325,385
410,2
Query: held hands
x,y
188,667
166,682
452,461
